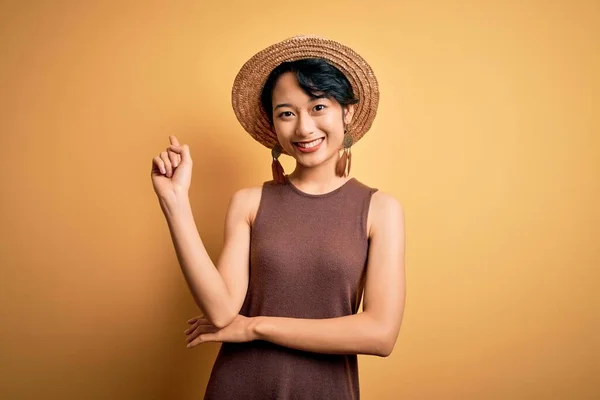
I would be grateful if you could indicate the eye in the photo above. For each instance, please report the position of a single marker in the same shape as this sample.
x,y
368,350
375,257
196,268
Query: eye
x,y
285,114
319,107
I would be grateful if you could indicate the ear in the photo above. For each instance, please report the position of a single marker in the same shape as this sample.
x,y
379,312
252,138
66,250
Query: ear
x,y
348,112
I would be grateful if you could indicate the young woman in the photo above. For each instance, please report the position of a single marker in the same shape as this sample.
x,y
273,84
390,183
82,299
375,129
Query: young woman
x,y
301,249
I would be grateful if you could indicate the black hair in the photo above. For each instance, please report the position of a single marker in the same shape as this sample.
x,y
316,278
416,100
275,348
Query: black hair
x,y
316,77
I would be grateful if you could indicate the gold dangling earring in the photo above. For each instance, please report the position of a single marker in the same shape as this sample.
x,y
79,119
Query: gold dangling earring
x,y
345,161
276,168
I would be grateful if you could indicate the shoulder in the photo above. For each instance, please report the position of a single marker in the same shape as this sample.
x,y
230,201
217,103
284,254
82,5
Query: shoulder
x,y
246,201
386,202
247,194
384,210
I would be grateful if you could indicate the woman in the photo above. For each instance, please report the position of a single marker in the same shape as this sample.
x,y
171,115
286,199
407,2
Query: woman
x,y
299,250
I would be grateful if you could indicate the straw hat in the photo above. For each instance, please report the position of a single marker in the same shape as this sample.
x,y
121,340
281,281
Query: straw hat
x,y
249,82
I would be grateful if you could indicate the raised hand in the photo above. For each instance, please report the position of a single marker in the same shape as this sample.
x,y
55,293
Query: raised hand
x,y
172,170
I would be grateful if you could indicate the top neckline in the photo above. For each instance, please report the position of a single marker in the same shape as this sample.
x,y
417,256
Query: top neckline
x,y
321,195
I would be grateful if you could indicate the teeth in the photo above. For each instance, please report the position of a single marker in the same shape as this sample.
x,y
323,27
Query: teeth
x,y
310,144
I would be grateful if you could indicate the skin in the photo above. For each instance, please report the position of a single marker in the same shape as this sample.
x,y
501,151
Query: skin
x,y
220,289
299,118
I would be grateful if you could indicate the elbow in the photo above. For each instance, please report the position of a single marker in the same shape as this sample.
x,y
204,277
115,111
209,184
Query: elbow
x,y
385,350
385,344
222,321
219,319
219,313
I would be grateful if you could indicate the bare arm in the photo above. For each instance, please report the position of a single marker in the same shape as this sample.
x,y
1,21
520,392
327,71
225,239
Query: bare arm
x,y
373,331
218,290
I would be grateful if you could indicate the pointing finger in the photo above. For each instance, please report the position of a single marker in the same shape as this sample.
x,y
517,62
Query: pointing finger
x,y
174,140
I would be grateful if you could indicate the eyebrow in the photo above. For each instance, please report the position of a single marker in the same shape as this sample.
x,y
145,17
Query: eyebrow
x,y
282,105
312,98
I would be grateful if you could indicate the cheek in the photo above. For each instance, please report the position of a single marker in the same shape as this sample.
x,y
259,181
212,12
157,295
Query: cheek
x,y
282,128
331,124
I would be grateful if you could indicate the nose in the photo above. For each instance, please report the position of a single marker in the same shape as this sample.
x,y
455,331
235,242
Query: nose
x,y
305,125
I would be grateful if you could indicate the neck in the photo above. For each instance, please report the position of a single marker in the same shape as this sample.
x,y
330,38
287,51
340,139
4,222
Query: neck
x,y
319,179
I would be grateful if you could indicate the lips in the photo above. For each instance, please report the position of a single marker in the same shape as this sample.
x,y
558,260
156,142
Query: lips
x,y
309,147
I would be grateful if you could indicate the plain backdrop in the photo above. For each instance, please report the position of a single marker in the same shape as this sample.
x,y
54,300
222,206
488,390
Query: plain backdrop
x,y
487,133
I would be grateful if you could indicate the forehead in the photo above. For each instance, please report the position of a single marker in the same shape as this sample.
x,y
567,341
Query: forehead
x,y
287,89
287,85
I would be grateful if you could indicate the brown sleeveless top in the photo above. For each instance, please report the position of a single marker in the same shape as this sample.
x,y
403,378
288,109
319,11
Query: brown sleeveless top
x,y
308,255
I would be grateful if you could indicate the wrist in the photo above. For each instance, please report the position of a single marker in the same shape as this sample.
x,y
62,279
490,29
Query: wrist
x,y
174,202
257,328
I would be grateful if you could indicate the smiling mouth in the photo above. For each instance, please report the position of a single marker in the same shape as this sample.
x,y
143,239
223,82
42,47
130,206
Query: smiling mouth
x,y
308,145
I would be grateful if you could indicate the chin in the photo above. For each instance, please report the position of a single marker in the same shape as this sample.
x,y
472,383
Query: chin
x,y
314,160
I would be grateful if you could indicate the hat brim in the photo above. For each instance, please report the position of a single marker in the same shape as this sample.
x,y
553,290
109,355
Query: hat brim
x,y
249,82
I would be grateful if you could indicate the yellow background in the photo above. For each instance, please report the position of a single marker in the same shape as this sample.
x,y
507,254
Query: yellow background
x,y
487,132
